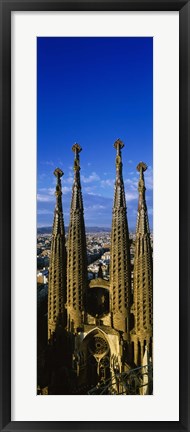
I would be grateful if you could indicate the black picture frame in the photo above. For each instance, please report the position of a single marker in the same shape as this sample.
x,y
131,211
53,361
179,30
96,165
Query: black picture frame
x,y
6,7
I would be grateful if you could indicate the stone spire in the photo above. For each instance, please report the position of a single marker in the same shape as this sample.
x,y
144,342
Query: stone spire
x,y
120,275
143,277
57,267
77,255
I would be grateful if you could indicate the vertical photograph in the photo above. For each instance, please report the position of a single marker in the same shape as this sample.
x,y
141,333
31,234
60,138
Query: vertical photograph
x,y
94,298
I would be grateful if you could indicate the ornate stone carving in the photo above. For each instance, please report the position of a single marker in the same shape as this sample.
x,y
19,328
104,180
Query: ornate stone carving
x,y
77,255
120,275
57,267
143,278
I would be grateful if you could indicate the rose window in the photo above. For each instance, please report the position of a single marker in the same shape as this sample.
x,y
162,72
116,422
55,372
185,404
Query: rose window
x,y
98,345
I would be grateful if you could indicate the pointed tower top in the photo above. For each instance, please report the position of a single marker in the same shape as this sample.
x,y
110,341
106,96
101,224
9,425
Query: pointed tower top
x,y
76,148
58,224
118,144
58,173
141,167
142,219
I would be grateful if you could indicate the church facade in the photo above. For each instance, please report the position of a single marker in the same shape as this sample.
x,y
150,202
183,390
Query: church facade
x,y
100,332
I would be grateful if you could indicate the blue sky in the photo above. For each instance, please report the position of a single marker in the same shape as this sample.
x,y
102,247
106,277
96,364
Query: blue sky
x,y
93,91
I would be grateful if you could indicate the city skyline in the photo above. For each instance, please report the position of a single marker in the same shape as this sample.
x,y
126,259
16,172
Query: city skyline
x,y
108,95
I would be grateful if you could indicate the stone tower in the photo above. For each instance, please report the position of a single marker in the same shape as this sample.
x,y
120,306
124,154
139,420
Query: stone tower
x,y
77,254
120,274
57,268
143,278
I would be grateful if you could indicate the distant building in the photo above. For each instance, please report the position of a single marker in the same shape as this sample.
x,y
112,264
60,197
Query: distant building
x,y
106,256
42,277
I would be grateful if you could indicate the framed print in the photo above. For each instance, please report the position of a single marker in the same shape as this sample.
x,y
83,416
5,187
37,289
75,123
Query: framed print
x,y
94,219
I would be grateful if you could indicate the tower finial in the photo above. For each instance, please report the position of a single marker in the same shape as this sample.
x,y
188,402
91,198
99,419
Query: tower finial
x,y
76,148
118,144
58,173
141,168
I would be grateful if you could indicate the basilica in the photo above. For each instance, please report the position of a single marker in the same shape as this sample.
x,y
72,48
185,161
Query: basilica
x,y
100,332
